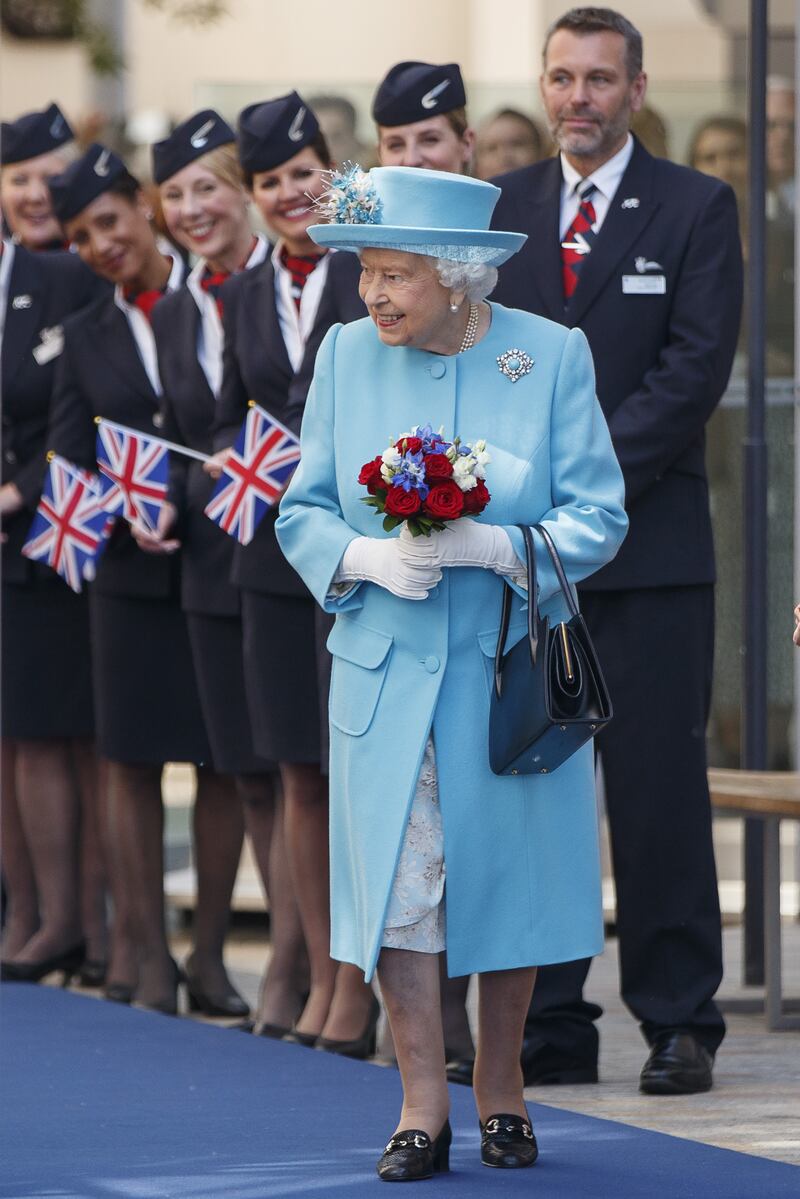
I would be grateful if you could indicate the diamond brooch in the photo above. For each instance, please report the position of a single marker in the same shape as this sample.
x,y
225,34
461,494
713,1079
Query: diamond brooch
x,y
514,364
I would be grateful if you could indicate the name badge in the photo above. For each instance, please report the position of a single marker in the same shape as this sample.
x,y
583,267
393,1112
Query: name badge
x,y
644,285
51,345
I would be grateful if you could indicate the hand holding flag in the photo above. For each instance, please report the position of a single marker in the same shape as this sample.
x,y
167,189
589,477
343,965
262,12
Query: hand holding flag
x,y
255,475
71,523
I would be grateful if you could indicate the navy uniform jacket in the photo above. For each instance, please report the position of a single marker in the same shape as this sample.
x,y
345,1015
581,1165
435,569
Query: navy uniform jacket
x,y
100,373
256,367
189,409
662,361
47,289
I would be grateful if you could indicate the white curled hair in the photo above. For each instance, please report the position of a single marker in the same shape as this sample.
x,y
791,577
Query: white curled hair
x,y
477,279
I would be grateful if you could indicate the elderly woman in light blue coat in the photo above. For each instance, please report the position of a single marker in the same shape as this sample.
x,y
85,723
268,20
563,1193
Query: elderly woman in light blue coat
x,y
429,849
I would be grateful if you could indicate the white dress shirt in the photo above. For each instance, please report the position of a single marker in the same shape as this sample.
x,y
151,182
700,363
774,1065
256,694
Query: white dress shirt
x,y
210,335
606,179
296,326
140,326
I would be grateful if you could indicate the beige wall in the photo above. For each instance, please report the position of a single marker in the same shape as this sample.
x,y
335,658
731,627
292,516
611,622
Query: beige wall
x,y
257,51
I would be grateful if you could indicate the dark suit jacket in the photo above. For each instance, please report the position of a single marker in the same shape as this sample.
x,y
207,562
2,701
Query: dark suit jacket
x,y
100,373
50,287
256,367
189,411
662,361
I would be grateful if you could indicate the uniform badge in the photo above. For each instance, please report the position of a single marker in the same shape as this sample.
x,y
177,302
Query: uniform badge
x,y
21,302
51,344
514,364
630,202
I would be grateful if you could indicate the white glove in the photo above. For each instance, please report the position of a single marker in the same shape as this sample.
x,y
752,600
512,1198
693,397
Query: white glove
x,y
465,542
380,560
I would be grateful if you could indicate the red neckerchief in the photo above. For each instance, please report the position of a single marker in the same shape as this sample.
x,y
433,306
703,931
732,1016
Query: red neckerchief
x,y
212,281
145,301
299,267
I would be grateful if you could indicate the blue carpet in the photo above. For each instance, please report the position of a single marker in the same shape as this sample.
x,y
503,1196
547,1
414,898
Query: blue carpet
x,y
104,1102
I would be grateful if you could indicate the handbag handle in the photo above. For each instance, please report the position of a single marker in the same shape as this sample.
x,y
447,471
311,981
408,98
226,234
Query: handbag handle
x,y
563,582
533,600
505,617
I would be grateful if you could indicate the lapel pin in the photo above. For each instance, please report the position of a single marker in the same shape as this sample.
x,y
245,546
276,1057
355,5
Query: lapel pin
x,y
630,202
21,302
645,264
514,364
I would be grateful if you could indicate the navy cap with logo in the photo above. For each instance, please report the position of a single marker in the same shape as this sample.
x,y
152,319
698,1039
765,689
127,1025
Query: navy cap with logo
x,y
85,180
33,134
273,132
414,91
190,140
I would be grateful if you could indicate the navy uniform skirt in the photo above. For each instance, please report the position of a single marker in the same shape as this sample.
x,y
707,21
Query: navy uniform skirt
x,y
281,676
47,667
146,694
217,652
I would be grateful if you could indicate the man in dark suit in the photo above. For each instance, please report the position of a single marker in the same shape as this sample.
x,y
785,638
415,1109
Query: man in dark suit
x,y
644,257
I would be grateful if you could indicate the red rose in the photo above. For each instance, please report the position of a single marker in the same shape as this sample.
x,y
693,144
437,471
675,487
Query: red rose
x,y
445,501
370,475
437,466
409,445
476,500
402,503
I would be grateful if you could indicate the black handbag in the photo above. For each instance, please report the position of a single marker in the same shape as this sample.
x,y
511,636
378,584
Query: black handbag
x,y
549,696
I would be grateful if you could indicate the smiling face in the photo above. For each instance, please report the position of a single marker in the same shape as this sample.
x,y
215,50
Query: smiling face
x,y
114,238
206,216
432,144
282,195
588,95
25,199
406,300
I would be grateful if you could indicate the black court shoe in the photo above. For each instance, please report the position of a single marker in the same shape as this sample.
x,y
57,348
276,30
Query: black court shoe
x,y
68,963
411,1155
361,1047
508,1142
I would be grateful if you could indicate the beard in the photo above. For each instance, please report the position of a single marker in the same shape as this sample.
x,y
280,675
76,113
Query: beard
x,y
599,138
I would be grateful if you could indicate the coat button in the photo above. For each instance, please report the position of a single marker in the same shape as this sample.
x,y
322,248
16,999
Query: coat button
x,y
11,456
438,370
158,420
431,664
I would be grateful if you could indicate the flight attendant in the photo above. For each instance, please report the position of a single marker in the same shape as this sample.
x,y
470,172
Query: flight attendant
x,y
52,861
268,315
421,115
148,710
205,209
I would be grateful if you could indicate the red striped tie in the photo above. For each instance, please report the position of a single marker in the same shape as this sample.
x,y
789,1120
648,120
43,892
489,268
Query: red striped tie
x,y
578,239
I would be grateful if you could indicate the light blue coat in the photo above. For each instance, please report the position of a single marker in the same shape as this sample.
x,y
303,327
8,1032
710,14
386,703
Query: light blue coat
x,y
521,854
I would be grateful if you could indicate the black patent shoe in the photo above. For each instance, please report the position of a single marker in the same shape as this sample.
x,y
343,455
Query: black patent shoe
x,y
508,1142
92,973
307,1039
168,1006
361,1047
68,963
678,1065
229,1004
118,992
411,1155
460,1070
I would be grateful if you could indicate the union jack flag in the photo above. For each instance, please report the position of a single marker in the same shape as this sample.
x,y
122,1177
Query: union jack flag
x,y
137,466
70,526
259,466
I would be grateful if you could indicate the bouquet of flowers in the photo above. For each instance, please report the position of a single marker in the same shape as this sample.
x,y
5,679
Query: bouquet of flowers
x,y
426,481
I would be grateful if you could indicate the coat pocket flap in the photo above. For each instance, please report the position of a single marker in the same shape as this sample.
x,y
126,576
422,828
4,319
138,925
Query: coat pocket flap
x,y
358,644
488,641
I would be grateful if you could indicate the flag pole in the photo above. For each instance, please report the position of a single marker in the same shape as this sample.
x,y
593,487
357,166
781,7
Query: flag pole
x,y
169,445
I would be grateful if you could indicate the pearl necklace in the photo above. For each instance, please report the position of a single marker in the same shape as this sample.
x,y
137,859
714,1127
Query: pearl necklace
x,y
471,329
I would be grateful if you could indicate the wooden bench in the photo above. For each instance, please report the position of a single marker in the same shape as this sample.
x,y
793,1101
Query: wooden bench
x,y
770,796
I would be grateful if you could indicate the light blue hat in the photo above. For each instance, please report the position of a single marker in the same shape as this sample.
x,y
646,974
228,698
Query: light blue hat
x,y
407,208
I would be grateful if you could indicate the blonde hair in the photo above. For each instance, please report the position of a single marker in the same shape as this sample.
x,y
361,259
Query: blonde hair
x,y
223,161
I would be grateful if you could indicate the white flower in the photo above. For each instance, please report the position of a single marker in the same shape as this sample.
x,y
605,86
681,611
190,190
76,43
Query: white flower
x,y
391,457
462,474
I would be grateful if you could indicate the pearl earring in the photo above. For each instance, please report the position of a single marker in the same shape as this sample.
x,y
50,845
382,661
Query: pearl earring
x,y
454,307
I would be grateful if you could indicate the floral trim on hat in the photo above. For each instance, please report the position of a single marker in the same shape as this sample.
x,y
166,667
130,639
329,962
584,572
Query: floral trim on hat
x,y
350,197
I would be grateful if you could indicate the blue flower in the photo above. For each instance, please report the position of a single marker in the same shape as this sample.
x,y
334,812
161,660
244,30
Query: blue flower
x,y
411,474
